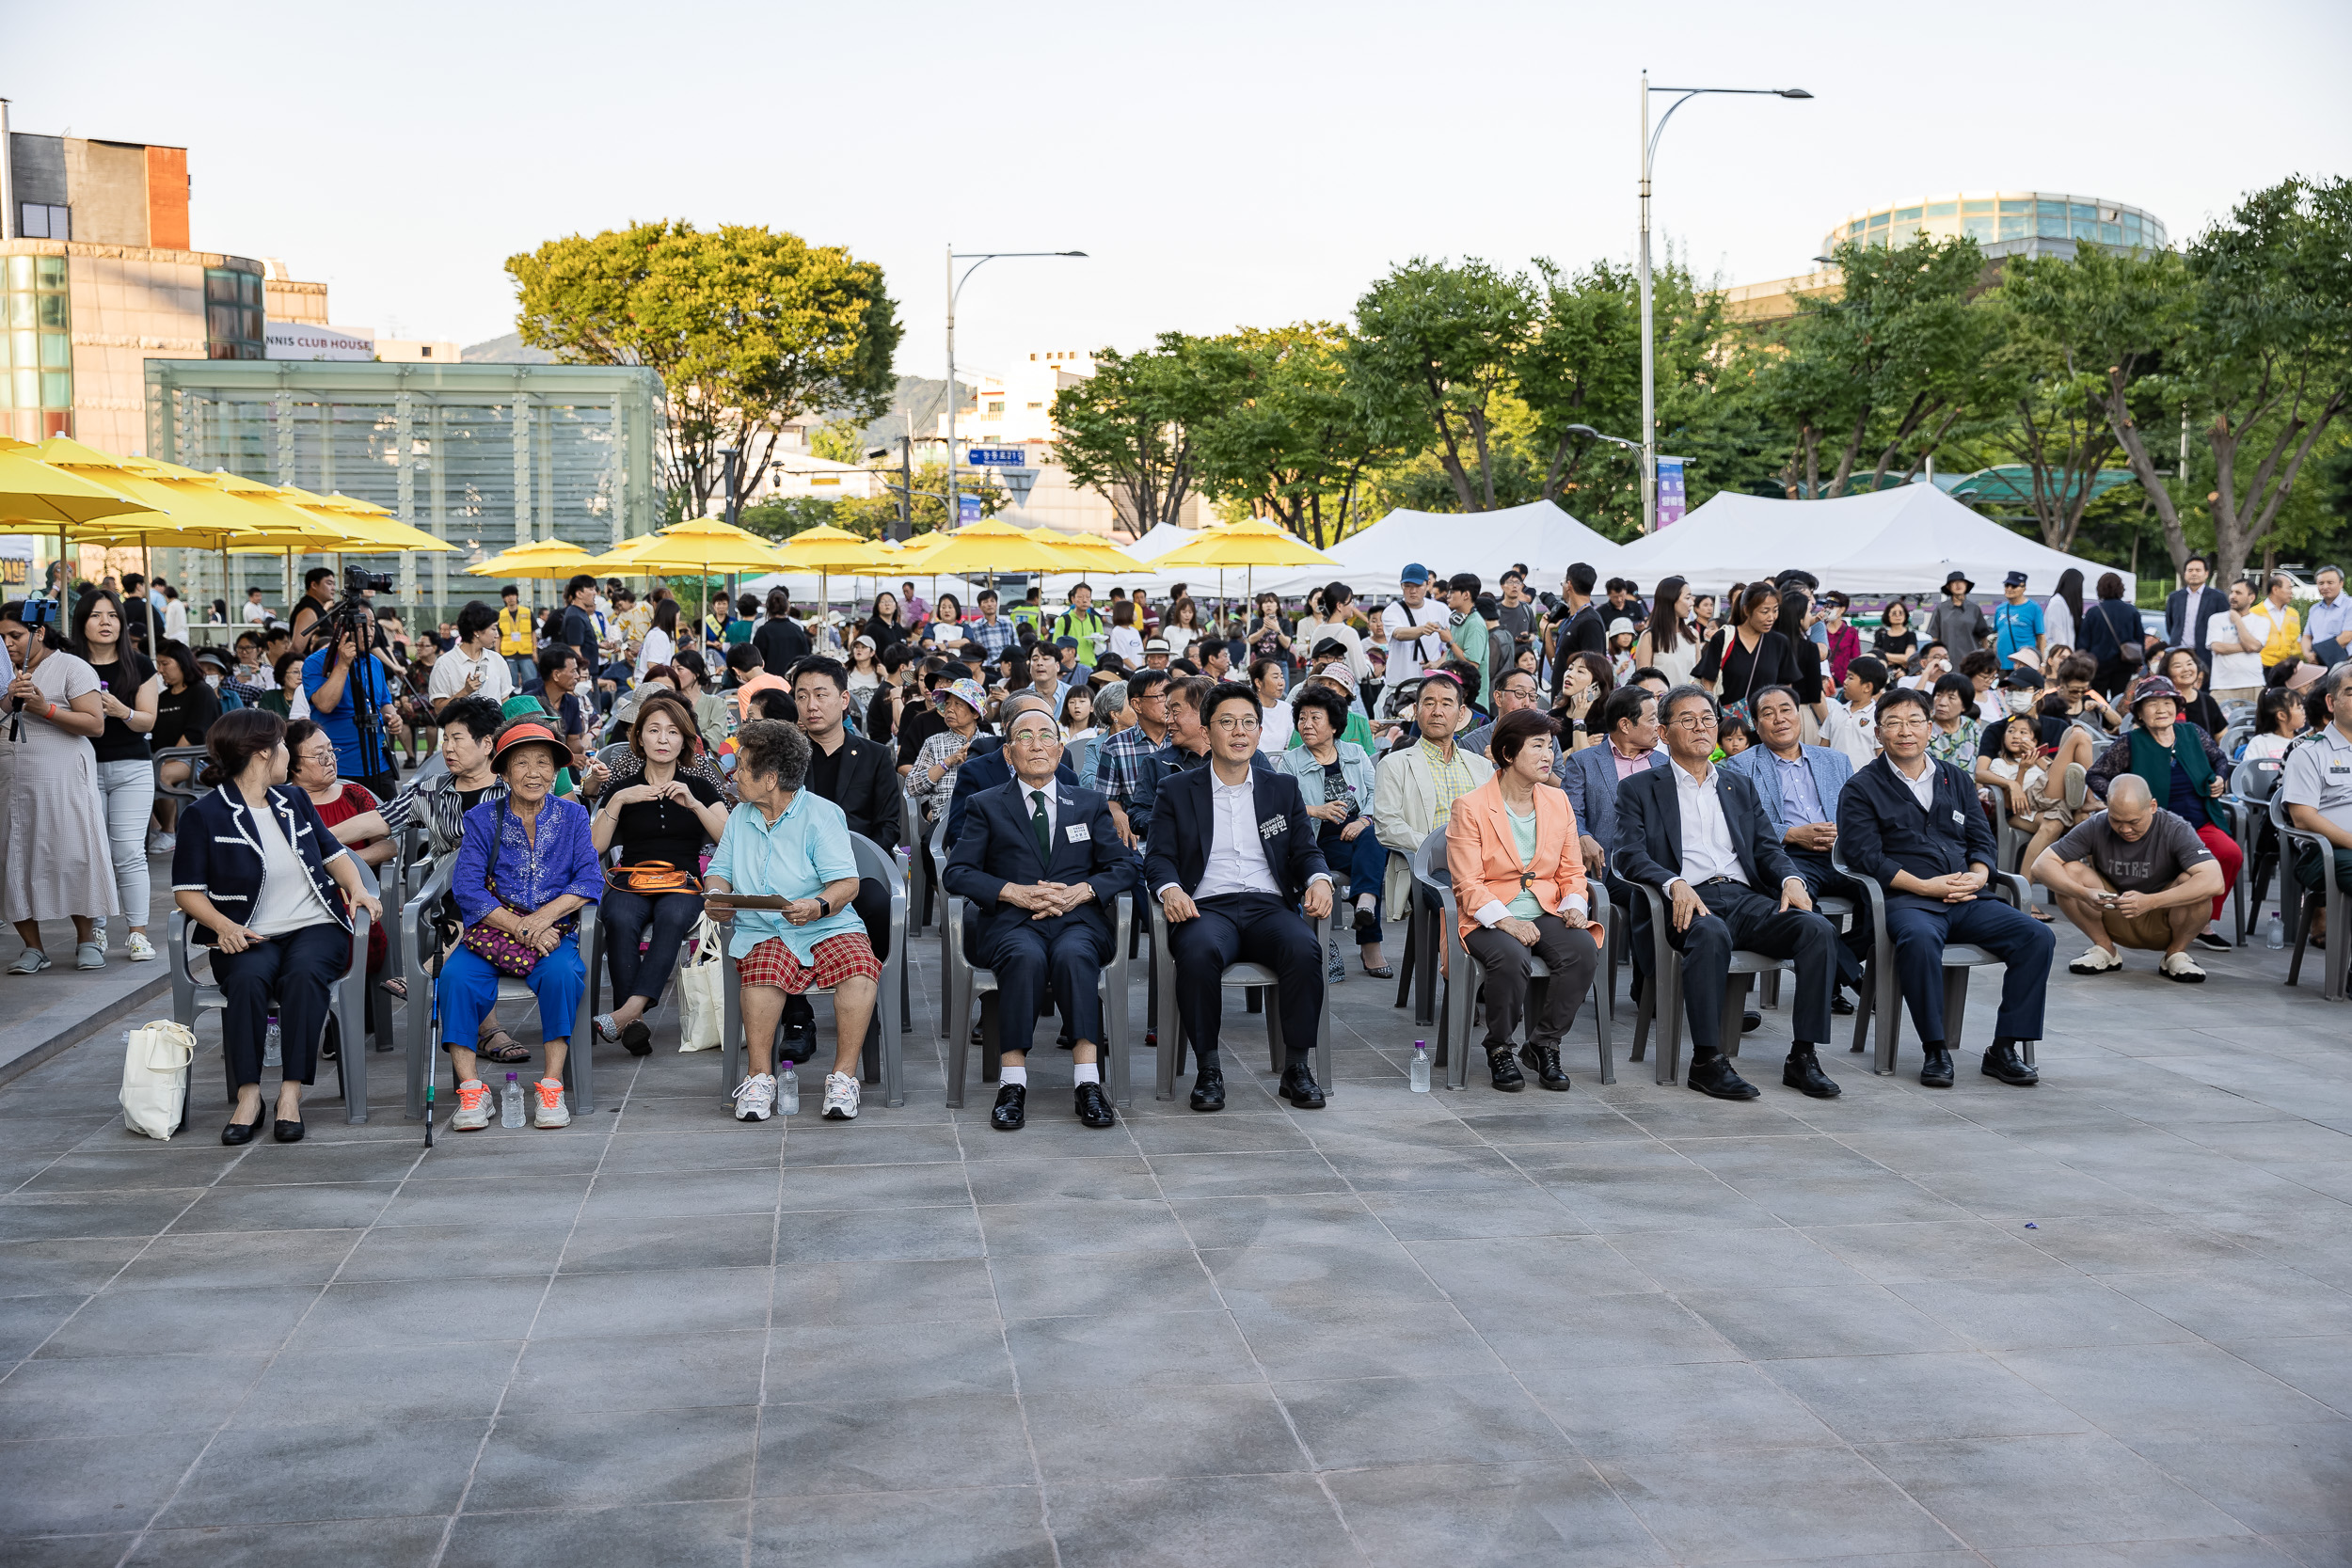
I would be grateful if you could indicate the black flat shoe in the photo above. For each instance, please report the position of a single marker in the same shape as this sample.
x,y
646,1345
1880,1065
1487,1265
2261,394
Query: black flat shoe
x,y
1504,1070
1094,1106
1208,1090
1802,1072
2003,1062
1301,1088
637,1039
1936,1070
239,1133
1011,1112
1750,1023
1545,1061
1714,1075
287,1132
1840,1005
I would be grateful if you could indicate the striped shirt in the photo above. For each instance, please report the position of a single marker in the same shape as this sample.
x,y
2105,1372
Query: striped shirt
x,y
435,803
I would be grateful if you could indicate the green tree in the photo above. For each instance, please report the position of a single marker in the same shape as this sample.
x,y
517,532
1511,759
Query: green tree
x,y
747,328
1129,431
838,442
1435,348
2050,313
1293,442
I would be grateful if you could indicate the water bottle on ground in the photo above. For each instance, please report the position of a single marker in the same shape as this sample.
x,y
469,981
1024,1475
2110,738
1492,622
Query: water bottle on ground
x,y
1421,1067
273,1047
511,1107
788,1091
2277,935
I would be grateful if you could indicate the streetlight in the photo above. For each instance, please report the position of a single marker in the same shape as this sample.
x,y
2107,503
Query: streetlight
x,y
1649,362
955,287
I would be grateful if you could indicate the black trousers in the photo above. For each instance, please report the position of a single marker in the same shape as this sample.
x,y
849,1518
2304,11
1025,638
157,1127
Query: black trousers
x,y
1247,927
1571,955
1070,951
1824,881
1740,918
627,917
297,971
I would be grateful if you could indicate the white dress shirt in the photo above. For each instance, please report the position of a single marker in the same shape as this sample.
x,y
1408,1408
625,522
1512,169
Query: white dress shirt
x,y
1028,809
1237,860
1708,850
1923,787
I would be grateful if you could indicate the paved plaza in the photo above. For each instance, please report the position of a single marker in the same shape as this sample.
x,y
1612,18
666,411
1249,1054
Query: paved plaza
x,y
2106,1321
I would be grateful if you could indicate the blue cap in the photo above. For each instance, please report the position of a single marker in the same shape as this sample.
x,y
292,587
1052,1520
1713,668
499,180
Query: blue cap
x,y
1414,572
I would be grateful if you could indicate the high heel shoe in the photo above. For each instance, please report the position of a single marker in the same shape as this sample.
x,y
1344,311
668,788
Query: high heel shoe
x,y
286,1132
238,1134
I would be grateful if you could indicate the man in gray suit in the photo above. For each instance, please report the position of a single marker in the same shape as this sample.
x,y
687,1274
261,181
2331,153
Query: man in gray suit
x,y
1799,787
1630,718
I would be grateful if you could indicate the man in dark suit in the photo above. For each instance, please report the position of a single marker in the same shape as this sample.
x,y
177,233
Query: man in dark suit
x,y
859,776
1041,861
1188,747
987,769
1698,834
1231,857
1630,718
2191,609
1912,825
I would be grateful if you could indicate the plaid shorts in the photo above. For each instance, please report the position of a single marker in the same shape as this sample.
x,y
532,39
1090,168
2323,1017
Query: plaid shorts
x,y
838,958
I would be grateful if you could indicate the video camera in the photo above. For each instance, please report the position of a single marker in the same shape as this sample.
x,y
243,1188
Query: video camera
x,y
358,580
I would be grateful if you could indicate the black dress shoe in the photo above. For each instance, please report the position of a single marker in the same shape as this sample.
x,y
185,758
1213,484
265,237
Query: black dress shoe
x,y
1714,1075
1010,1112
286,1132
1208,1090
1505,1071
1840,1004
1094,1106
1803,1071
637,1039
1545,1060
2003,1062
1936,1070
239,1133
1301,1088
1750,1023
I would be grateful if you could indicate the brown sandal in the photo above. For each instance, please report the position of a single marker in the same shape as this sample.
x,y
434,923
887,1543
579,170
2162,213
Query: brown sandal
x,y
505,1054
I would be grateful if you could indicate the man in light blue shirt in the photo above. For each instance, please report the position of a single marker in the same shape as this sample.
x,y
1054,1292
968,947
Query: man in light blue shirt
x,y
1799,787
2017,623
2327,625
791,843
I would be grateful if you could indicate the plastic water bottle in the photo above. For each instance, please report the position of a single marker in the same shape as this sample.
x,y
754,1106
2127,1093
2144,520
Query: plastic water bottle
x,y
1421,1067
2277,935
511,1107
788,1091
274,1044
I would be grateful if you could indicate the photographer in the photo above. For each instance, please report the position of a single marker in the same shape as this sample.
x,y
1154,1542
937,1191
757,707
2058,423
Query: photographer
x,y
349,687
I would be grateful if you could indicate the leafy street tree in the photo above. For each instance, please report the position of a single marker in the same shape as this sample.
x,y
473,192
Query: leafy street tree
x,y
748,329
2049,314
1436,349
1294,442
1129,431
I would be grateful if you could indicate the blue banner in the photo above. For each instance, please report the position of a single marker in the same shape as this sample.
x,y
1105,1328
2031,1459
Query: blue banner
x,y
1670,491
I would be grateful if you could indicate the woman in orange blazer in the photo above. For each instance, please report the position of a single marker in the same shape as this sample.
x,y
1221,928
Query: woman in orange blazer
x,y
1520,894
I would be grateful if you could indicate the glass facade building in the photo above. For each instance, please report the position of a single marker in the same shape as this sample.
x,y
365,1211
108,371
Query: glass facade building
x,y
37,369
2006,223
485,456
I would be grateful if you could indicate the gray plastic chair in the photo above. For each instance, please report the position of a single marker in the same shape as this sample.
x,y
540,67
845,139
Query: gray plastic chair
x,y
1170,1023
910,834
1882,995
2252,784
1665,979
882,1062
2338,956
347,1017
1457,1003
970,984
416,935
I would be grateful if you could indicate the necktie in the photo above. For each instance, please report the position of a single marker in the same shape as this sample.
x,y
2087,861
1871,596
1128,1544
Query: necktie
x,y
1041,828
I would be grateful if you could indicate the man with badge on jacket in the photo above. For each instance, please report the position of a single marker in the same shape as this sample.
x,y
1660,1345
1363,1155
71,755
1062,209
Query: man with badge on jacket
x,y
1912,824
1232,858
1042,862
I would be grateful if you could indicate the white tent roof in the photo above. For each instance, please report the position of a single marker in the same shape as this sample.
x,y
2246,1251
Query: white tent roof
x,y
1904,540
1487,543
1159,539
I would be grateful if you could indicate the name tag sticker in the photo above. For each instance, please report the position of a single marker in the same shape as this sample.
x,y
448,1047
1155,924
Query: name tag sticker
x,y
1273,827
1079,834
1959,819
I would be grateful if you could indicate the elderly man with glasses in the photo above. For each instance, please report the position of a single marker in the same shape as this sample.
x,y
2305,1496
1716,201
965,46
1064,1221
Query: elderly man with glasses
x,y
1041,861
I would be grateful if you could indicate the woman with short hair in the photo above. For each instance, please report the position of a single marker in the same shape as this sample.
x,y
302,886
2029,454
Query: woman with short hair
x,y
660,824
1335,776
58,865
272,894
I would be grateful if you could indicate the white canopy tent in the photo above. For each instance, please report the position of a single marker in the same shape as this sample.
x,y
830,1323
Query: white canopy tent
x,y
1159,539
1905,540
1488,543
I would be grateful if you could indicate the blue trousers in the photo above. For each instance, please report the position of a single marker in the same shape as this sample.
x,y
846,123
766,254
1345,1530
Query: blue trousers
x,y
2022,943
1364,860
468,987
1070,951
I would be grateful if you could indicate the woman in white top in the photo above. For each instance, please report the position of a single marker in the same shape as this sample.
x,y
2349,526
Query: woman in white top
x,y
2278,720
865,673
1125,641
660,644
1669,643
1181,627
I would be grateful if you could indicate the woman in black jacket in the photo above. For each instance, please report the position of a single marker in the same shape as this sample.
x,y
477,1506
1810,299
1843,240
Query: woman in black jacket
x,y
273,892
1753,656
2112,634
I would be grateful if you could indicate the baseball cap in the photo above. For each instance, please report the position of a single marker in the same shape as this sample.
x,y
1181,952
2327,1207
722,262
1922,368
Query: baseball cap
x,y
1414,572
2015,579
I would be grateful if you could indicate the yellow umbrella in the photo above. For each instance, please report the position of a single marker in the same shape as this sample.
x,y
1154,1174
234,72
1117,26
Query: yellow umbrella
x,y
706,543
540,558
826,549
621,563
40,497
991,547
1252,543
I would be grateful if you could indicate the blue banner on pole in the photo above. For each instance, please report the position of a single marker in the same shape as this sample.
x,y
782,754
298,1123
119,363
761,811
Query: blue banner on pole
x,y
967,509
1670,491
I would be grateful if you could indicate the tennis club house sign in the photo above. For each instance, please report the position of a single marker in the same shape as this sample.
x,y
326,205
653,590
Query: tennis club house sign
x,y
309,341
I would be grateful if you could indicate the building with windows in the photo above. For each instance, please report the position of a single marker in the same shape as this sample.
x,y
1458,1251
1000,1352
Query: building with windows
x,y
2003,223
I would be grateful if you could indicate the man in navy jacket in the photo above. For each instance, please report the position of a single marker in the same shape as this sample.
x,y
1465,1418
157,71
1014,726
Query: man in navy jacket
x,y
1699,835
1231,857
1912,824
1042,862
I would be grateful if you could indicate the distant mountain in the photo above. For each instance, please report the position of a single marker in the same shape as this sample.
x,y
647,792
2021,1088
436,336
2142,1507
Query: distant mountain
x,y
509,350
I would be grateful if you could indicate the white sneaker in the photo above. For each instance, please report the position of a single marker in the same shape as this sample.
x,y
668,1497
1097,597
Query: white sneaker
x,y
550,1110
840,1097
160,843
2181,967
141,950
473,1107
2099,961
755,1098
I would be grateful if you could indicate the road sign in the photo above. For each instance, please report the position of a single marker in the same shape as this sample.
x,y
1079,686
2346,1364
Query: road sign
x,y
967,509
996,458
1017,482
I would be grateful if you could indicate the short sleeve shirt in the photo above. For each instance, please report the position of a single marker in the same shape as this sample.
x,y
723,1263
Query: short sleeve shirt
x,y
2168,849
2015,627
793,857
2319,775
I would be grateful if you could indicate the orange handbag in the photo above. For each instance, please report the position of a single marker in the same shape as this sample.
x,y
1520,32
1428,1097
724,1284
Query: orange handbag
x,y
651,878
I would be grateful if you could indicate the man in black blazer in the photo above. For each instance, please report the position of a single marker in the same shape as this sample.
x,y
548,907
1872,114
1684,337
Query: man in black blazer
x,y
859,776
992,768
1041,861
1231,858
1699,834
1912,825
2190,609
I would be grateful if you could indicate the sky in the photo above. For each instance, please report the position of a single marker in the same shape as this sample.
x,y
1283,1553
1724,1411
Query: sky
x,y
1222,164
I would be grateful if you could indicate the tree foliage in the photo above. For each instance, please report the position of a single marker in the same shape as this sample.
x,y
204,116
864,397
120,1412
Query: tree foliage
x,y
748,329
1436,347
1295,442
1129,431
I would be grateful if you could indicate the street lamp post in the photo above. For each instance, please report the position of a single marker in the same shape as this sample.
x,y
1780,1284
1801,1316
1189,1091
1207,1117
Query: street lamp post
x,y
1649,352
955,287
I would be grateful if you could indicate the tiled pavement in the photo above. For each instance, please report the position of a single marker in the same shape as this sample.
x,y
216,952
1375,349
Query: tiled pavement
x,y
2104,1321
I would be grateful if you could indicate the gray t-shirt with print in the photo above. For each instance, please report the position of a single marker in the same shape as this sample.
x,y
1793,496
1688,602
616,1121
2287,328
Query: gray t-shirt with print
x,y
2154,862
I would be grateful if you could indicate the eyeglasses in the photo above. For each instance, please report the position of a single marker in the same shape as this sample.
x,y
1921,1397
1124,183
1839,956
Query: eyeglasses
x,y
1233,725
1035,737
1694,722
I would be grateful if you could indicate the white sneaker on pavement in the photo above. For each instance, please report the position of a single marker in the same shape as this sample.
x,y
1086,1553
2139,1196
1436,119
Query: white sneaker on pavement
x,y
473,1107
840,1097
2099,961
2181,967
548,1109
755,1098
141,950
